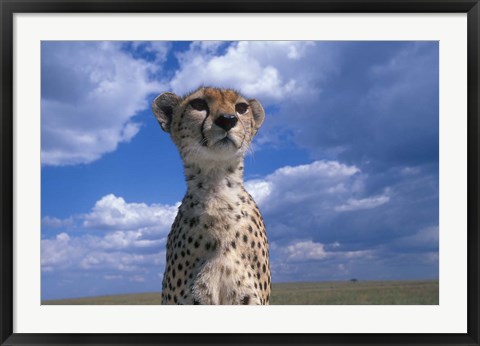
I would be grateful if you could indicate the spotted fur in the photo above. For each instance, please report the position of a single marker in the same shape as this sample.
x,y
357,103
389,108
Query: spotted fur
x,y
217,249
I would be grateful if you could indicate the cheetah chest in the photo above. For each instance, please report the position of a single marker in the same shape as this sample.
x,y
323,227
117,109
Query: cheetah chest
x,y
217,254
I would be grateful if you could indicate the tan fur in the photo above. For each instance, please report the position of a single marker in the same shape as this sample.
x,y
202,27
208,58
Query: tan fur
x,y
217,249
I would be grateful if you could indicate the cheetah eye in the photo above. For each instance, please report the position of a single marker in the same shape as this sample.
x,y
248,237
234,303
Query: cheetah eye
x,y
241,108
199,104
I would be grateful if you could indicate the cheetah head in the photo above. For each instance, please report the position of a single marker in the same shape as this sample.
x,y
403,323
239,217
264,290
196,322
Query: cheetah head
x,y
209,124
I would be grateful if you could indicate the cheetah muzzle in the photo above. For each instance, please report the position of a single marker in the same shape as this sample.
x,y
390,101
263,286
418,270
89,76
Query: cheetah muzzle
x,y
217,249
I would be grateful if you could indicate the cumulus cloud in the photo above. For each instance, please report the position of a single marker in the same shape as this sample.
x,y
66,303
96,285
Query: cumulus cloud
x,y
308,260
306,250
58,252
305,183
364,203
66,251
134,236
112,251
337,216
112,212
302,200
54,222
268,70
91,92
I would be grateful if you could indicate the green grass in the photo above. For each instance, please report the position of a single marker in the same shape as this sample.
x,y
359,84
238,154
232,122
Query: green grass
x,y
420,292
356,293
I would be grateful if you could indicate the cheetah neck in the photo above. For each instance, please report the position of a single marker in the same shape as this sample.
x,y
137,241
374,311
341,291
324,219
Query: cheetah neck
x,y
215,180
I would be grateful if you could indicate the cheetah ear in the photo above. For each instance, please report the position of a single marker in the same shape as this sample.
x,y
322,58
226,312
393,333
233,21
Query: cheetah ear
x,y
163,107
258,112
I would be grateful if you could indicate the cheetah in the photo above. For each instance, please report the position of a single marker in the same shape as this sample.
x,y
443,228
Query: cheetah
x,y
217,248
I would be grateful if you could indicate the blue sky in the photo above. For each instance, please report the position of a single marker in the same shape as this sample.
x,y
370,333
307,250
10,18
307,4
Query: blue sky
x,y
344,168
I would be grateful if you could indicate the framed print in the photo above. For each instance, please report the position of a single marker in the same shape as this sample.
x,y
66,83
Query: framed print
x,y
317,160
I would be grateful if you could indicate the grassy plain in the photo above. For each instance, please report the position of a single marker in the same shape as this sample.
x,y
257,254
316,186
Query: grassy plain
x,y
419,292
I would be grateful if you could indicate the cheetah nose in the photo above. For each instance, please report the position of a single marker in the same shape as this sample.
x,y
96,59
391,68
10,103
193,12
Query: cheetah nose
x,y
226,121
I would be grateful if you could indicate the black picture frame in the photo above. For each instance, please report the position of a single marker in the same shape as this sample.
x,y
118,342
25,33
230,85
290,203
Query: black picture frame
x,y
9,7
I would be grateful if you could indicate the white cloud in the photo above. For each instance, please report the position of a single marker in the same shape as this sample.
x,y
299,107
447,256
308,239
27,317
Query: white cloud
x,y
305,201
268,70
308,184
88,252
112,212
58,252
364,203
121,261
90,93
306,250
135,238
128,240
54,222
259,189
